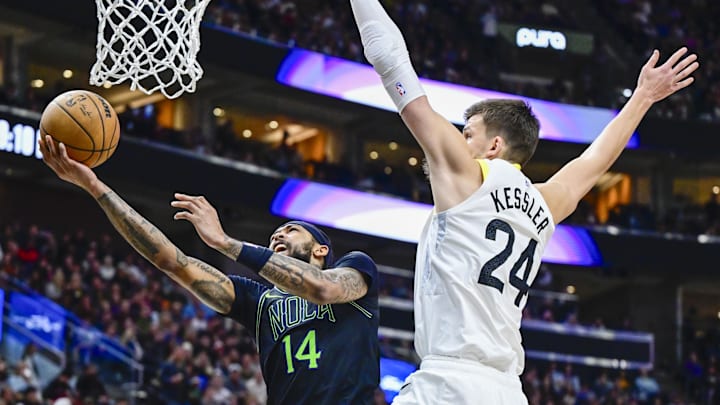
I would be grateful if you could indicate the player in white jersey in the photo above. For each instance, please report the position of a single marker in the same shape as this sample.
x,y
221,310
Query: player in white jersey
x,y
481,247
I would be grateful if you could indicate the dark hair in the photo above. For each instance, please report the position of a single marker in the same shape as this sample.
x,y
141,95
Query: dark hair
x,y
514,121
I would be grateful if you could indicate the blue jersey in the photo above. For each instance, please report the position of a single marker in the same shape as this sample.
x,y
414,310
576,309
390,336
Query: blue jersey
x,y
314,354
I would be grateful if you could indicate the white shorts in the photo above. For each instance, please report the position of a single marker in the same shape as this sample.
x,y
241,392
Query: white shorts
x,y
445,380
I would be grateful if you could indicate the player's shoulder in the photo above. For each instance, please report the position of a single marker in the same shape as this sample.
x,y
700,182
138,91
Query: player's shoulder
x,y
365,265
359,261
353,258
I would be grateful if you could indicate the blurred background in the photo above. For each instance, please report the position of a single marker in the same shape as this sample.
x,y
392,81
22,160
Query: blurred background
x,y
625,308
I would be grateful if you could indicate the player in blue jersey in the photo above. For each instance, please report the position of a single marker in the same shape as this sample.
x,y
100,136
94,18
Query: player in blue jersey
x,y
316,330
320,349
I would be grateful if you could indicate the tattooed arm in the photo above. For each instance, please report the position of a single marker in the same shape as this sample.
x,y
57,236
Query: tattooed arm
x,y
292,275
208,284
332,286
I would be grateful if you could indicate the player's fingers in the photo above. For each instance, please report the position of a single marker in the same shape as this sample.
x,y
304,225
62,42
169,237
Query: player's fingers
x,y
41,145
676,57
186,205
44,150
63,152
687,71
685,62
50,146
183,215
684,83
652,61
199,200
55,149
204,204
183,197
188,198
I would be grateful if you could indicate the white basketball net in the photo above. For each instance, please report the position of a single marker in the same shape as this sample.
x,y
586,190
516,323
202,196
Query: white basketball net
x,y
152,43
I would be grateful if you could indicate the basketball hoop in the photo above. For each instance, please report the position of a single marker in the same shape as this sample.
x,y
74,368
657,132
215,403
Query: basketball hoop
x,y
151,43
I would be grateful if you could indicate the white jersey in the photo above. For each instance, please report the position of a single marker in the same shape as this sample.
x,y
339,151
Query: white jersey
x,y
474,265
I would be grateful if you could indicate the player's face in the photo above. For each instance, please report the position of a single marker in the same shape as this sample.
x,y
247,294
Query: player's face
x,y
482,145
294,241
475,134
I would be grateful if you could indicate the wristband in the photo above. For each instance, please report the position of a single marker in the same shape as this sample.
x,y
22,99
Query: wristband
x,y
254,256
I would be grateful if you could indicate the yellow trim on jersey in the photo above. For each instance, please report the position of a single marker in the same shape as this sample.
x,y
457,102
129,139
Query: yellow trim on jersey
x,y
485,168
361,309
258,316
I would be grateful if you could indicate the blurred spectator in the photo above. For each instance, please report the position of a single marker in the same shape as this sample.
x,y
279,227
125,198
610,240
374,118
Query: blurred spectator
x,y
693,373
26,371
130,340
712,384
285,158
89,388
174,387
235,383
29,396
603,385
256,387
59,387
216,393
646,387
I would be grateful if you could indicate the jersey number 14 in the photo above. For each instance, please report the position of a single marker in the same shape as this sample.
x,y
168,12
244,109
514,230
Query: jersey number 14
x,y
306,352
524,263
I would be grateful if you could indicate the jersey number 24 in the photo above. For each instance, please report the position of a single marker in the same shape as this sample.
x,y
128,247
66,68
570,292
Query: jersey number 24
x,y
523,264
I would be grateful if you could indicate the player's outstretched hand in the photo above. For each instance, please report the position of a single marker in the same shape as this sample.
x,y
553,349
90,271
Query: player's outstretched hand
x,y
658,82
202,215
56,157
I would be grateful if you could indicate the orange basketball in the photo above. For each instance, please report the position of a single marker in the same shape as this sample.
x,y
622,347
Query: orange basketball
x,y
85,122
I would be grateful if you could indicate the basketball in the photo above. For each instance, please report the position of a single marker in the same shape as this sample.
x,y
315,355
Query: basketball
x,y
85,122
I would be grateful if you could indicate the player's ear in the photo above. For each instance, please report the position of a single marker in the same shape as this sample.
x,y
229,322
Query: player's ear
x,y
320,251
496,147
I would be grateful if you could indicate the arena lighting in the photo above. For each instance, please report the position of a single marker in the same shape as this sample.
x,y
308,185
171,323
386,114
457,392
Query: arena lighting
x,y
397,219
358,83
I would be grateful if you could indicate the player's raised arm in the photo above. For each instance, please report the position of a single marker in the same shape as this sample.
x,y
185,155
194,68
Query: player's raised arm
x,y
204,281
444,146
564,190
332,286
304,279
